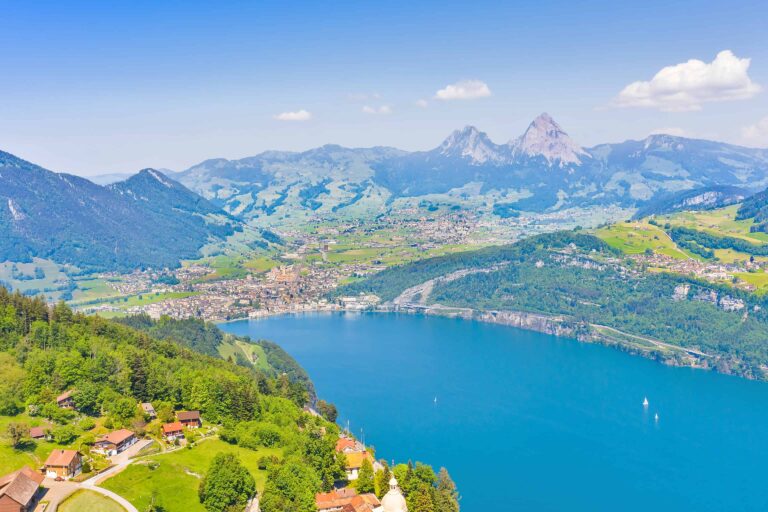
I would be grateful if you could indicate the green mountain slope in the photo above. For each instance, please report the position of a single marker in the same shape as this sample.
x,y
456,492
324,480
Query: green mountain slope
x,y
145,221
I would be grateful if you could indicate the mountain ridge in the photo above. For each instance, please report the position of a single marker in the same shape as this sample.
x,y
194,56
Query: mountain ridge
x,y
148,220
543,169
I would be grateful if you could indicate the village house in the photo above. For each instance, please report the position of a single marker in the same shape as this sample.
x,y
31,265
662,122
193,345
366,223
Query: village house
x,y
115,442
38,433
349,445
19,490
190,419
66,400
347,500
149,410
63,464
173,431
355,462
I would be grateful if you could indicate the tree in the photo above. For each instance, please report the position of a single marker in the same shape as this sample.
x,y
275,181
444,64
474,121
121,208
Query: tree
x,y
17,432
327,410
64,434
447,497
381,481
227,484
290,487
364,483
421,498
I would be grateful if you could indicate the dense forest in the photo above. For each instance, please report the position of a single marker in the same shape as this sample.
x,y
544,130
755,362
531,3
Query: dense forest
x,y
206,338
581,277
111,367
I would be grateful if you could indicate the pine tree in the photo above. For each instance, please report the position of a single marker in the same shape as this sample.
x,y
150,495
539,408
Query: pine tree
x,y
364,482
447,497
381,481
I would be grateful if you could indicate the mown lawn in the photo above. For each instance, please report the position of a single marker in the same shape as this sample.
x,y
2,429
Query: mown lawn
x,y
91,501
175,480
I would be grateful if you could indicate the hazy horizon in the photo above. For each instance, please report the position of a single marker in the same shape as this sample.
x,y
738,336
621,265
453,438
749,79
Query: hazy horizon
x,y
114,90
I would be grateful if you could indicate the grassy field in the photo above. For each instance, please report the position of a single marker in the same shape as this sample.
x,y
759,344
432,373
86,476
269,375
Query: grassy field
x,y
25,279
758,279
91,501
261,264
93,288
175,479
32,454
720,222
637,237
253,353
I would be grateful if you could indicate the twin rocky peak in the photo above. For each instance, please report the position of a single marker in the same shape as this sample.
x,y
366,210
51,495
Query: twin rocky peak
x,y
543,139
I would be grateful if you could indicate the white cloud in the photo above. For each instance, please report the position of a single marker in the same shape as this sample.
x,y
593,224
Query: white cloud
x,y
299,115
464,90
756,134
382,110
686,86
672,130
422,103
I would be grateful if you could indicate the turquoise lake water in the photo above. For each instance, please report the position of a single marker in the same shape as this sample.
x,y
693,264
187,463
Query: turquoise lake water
x,y
526,421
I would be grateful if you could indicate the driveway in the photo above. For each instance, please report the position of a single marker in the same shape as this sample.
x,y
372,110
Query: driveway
x,y
56,492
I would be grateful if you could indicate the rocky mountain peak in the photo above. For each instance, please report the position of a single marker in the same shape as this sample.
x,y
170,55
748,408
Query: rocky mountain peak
x,y
469,142
544,137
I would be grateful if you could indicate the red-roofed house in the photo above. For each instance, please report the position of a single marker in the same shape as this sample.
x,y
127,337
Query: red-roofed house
x,y
190,419
346,500
66,400
115,442
64,464
39,432
19,490
346,445
173,431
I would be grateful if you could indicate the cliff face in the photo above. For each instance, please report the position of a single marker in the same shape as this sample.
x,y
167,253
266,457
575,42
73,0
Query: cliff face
x,y
531,321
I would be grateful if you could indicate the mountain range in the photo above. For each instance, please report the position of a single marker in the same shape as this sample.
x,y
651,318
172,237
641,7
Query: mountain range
x,y
147,220
156,218
542,169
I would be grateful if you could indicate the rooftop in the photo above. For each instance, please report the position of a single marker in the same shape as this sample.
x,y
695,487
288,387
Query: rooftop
x,y
118,436
60,458
21,485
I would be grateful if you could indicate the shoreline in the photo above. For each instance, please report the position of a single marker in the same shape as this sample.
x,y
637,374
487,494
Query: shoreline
x,y
555,325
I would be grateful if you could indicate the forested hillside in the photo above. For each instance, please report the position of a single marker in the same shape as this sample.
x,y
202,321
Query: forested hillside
x,y
582,278
208,339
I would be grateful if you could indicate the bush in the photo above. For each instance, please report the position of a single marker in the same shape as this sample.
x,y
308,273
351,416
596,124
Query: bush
x,y
87,423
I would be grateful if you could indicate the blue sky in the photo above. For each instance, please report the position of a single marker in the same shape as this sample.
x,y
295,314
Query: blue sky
x,y
89,88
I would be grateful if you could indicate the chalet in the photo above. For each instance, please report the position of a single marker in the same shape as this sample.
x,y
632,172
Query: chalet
x,y
38,433
349,445
66,400
355,462
190,419
115,442
173,431
63,464
149,410
346,500
19,491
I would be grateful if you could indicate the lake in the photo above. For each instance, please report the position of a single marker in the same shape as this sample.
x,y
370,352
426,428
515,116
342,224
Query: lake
x,y
527,421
